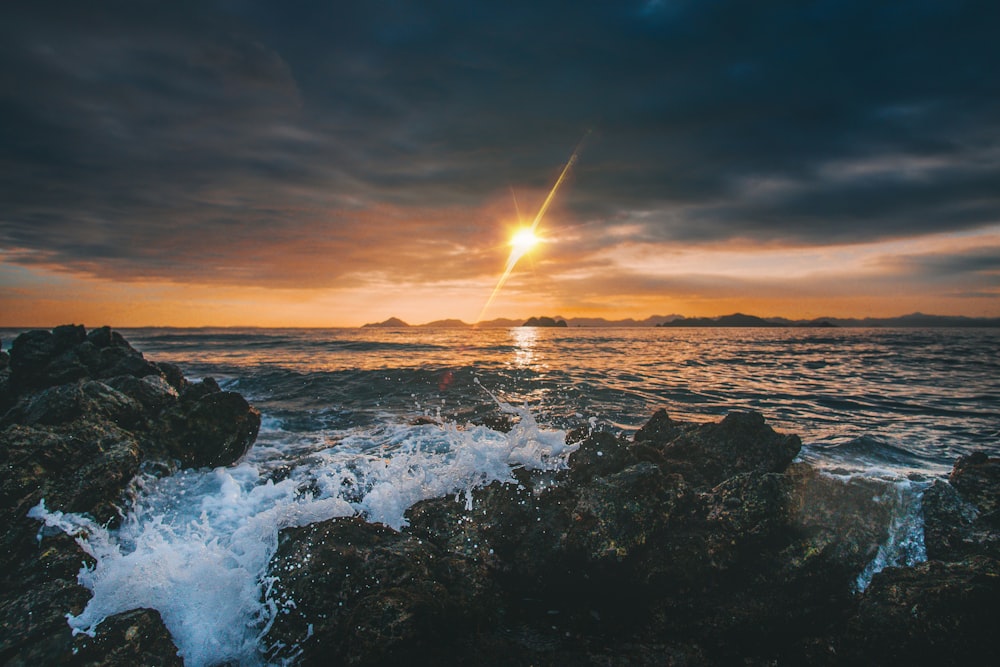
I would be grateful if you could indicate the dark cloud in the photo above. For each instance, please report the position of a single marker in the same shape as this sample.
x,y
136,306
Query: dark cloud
x,y
225,141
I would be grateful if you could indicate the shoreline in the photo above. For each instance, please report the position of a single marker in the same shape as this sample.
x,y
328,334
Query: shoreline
x,y
693,543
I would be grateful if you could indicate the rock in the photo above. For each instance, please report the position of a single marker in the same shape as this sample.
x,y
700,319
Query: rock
x,y
131,638
977,479
153,392
961,518
368,595
81,414
600,453
931,614
41,359
173,375
706,455
216,429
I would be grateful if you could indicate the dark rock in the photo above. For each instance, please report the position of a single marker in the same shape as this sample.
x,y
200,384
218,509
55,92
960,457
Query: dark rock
x,y
708,454
196,390
172,374
949,521
216,429
80,469
81,415
369,594
931,614
114,361
38,589
41,359
65,403
153,392
977,479
128,639
104,337
961,517
600,453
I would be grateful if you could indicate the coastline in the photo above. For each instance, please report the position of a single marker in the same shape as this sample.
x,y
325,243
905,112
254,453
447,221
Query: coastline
x,y
691,543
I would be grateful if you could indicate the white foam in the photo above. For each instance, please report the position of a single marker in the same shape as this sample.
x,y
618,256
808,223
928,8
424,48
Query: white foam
x,y
195,546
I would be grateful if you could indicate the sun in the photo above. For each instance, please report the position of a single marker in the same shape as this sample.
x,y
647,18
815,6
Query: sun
x,y
524,240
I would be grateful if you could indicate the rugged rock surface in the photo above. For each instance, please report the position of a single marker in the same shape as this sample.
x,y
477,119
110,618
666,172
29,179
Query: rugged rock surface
x,y
690,544
80,415
943,611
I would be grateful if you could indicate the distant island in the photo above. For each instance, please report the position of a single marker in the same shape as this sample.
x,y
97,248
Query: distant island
x,y
913,320
544,322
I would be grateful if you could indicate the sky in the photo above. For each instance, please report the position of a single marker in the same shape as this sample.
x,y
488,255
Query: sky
x,y
258,163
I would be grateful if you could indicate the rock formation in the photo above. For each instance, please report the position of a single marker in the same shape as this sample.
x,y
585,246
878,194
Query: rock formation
x,y
80,415
688,544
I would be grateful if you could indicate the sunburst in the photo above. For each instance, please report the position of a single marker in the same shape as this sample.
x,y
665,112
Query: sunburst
x,y
526,238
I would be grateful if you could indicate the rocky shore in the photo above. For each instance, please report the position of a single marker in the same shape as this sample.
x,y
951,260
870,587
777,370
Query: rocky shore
x,y
688,544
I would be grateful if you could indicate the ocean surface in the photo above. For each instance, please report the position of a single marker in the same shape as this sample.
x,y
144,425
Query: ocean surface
x,y
369,421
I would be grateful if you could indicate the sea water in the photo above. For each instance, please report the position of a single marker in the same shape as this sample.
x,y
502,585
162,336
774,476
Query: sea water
x,y
370,421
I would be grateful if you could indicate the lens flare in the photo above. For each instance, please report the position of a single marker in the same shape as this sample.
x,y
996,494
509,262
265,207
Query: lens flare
x,y
525,239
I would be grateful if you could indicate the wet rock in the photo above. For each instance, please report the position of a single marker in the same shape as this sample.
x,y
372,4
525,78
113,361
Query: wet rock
x,y
172,374
977,479
41,359
949,526
368,595
216,429
708,454
599,453
153,392
131,638
81,415
39,587
933,613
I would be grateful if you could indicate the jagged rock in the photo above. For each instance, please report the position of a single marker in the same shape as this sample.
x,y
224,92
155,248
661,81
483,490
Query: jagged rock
x,y
153,392
708,454
931,614
215,429
719,572
949,521
977,479
599,453
368,595
79,415
128,639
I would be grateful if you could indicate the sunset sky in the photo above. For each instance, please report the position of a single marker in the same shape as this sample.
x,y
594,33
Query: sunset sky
x,y
228,162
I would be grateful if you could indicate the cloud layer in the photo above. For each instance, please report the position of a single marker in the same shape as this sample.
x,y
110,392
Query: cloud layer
x,y
313,144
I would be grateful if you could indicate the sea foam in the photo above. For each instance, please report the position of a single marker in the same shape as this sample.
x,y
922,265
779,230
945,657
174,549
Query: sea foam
x,y
196,545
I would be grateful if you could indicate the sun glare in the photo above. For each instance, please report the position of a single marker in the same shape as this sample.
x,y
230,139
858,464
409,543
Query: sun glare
x,y
524,240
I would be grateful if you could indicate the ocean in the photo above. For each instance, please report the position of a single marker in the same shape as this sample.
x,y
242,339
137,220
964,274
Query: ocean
x,y
369,421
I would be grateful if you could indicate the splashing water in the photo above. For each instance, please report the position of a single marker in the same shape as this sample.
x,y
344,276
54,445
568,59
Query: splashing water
x,y
905,543
196,545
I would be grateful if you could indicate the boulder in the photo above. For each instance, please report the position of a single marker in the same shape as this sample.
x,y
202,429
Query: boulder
x,y
931,614
368,595
80,414
215,429
977,479
708,454
131,638
961,517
